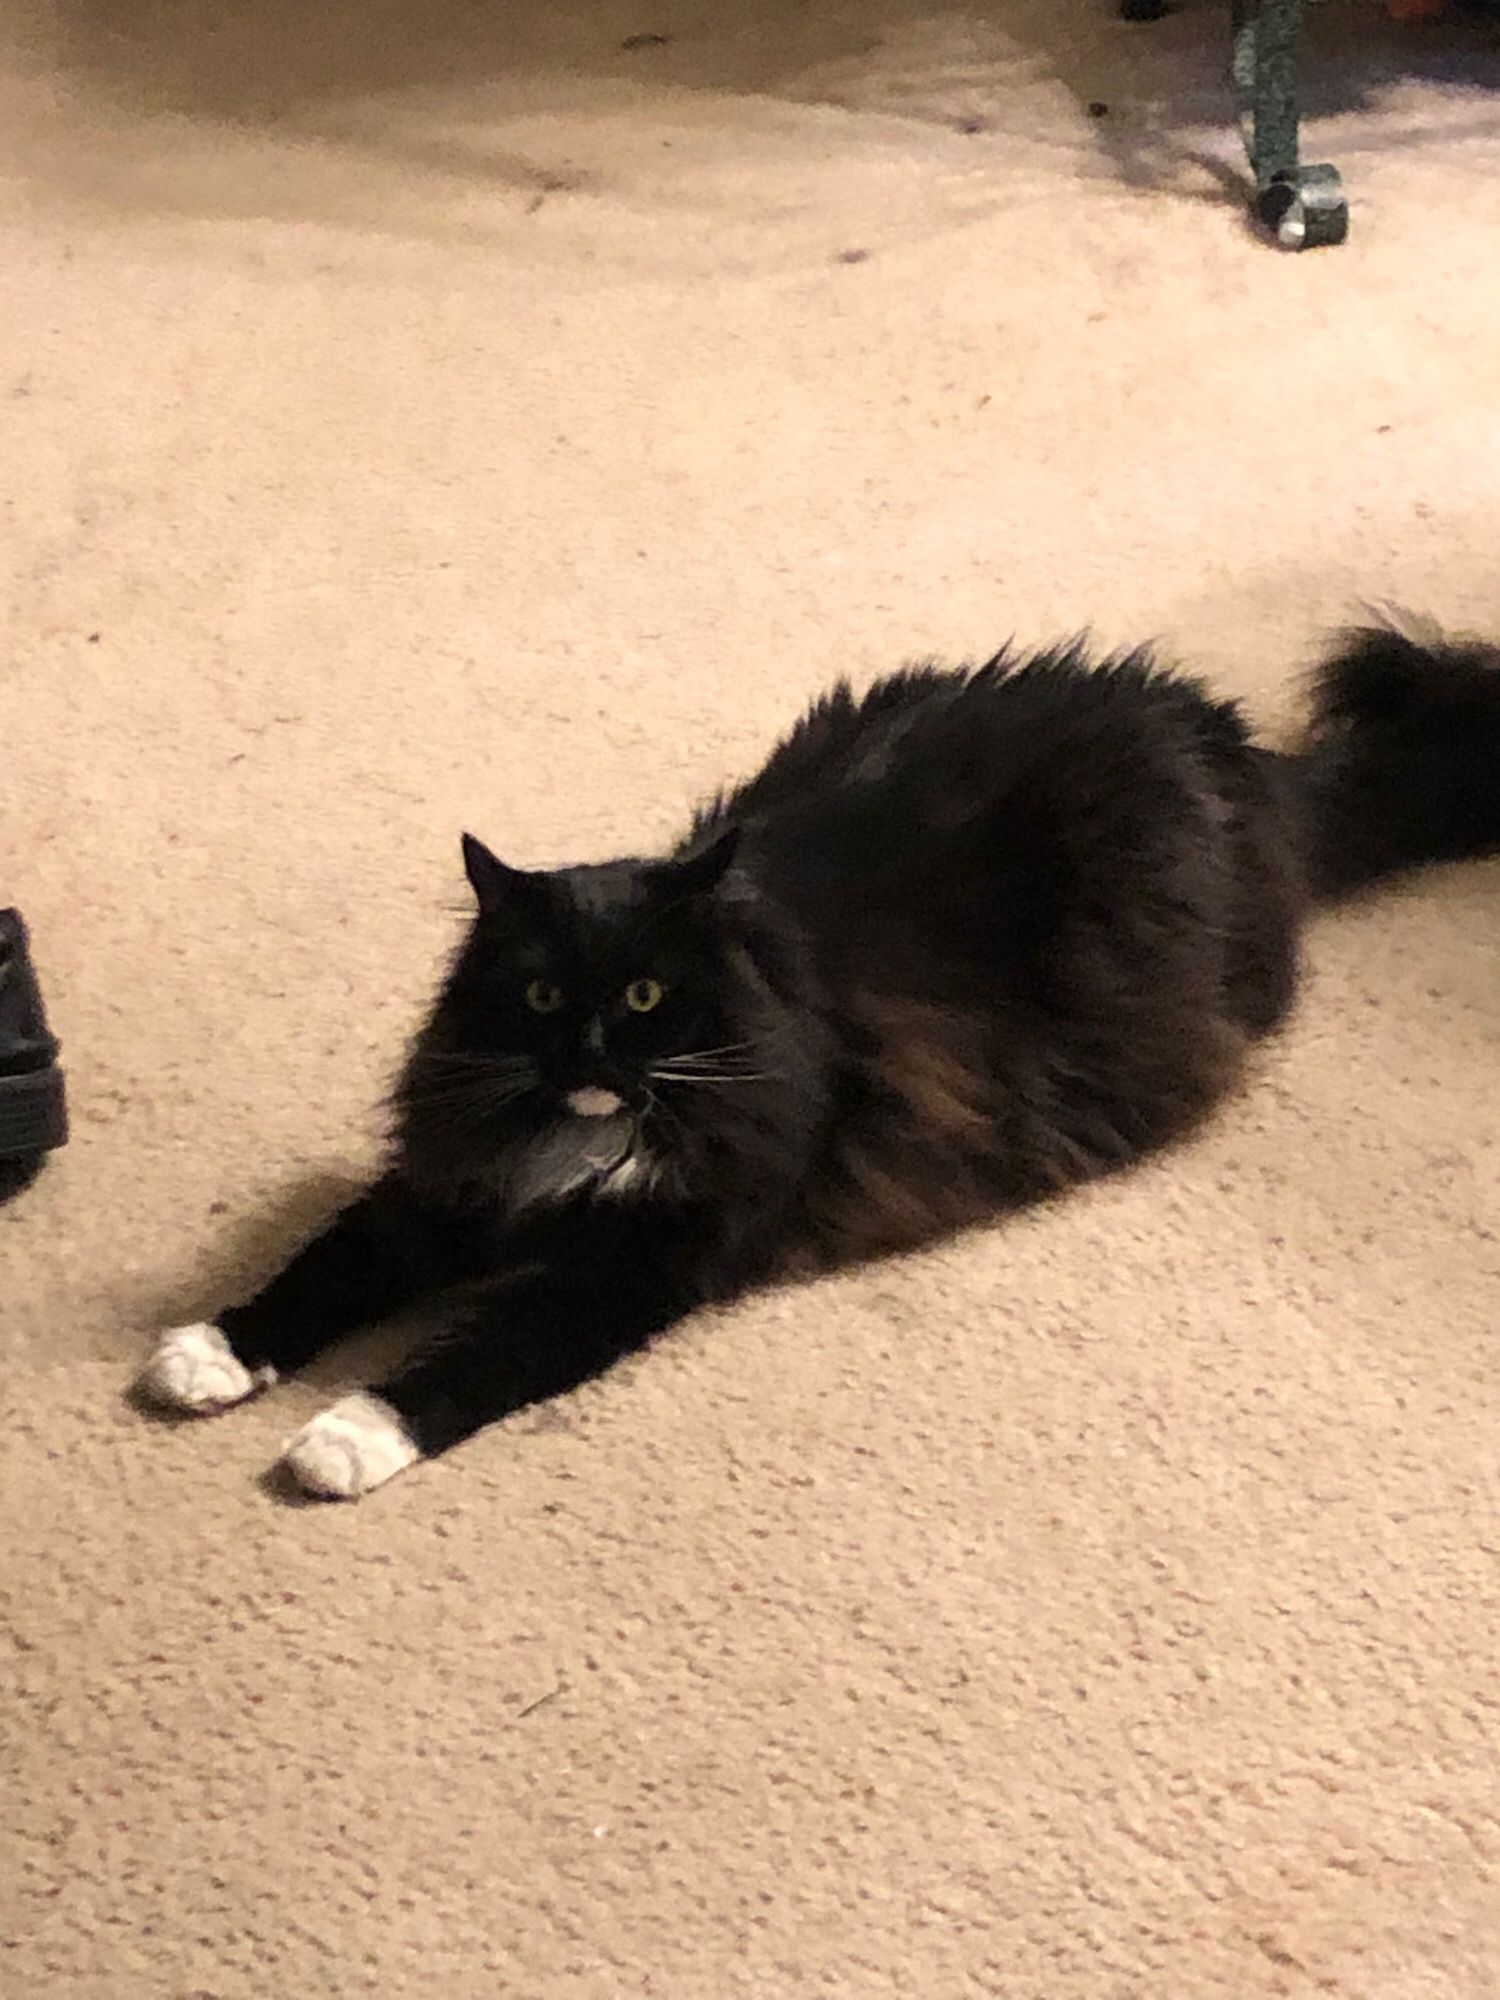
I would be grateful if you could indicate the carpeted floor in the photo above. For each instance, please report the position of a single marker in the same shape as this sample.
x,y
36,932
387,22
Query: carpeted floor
x,y
418,417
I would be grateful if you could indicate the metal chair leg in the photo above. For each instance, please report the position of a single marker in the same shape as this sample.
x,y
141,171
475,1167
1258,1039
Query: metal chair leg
x,y
1301,206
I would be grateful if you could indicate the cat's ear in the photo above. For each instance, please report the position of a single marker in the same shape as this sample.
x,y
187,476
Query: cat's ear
x,y
495,885
702,873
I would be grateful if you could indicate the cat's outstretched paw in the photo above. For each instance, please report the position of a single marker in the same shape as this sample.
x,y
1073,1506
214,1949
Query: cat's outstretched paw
x,y
195,1368
356,1445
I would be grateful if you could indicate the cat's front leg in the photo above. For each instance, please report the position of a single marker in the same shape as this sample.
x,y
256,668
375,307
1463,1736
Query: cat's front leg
x,y
378,1257
529,1339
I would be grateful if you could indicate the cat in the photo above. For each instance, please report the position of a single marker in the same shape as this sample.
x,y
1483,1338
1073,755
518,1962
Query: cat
x,y
966,940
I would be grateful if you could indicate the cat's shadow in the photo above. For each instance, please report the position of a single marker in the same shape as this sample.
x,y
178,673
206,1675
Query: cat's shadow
x,y
278,1485
248,1247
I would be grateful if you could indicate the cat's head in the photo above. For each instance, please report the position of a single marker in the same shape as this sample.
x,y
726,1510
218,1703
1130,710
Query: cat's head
x,y
586,1006
597,976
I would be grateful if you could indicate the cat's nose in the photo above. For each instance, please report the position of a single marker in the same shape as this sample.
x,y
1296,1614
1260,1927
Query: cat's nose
x,y
593,1102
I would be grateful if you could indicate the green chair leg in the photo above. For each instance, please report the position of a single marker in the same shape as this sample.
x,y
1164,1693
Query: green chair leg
x,y
1301,206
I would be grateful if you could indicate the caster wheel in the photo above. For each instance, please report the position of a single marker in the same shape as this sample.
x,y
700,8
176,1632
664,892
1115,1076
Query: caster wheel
x,y
1304,209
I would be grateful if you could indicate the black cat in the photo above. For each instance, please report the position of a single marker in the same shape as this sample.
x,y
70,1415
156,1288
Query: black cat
x,y
966,940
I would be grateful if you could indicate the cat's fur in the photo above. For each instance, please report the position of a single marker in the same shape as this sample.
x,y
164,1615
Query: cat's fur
x,y
966,940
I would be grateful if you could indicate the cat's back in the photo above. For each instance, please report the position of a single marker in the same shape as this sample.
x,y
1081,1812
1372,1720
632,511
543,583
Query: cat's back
x,y
848,742
929,752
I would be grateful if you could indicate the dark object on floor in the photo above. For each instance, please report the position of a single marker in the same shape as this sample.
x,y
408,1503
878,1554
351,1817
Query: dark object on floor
x,y
33,1111
1301,206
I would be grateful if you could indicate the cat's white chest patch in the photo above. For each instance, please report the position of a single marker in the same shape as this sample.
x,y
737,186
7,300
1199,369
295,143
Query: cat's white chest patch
x,y
632,1176
586,1152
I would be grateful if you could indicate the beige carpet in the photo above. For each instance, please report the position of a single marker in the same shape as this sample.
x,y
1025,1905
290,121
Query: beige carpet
x,y
434,415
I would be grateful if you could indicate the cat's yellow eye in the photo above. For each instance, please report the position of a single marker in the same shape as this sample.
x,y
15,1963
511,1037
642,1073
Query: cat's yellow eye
x,y
542,997
641,995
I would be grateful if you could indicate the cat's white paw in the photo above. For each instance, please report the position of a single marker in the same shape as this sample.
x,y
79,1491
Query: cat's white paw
x,y
358,1444
194,1368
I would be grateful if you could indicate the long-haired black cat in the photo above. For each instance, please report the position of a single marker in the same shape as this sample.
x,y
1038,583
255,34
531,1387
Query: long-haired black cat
x,y
966,940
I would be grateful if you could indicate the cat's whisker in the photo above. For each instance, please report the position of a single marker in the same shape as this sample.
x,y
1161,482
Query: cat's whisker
x,y
692,1076
478,1073
469,1060
708,1062
704,1055
692,1066
474,1096
471,1090
475,1086
707,1069
712,1058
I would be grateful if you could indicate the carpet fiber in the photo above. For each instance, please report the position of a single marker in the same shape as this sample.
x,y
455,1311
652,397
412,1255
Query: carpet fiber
x,y
419,417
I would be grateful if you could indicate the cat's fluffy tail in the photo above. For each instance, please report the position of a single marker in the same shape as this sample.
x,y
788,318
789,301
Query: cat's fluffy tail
x,y
1401,761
